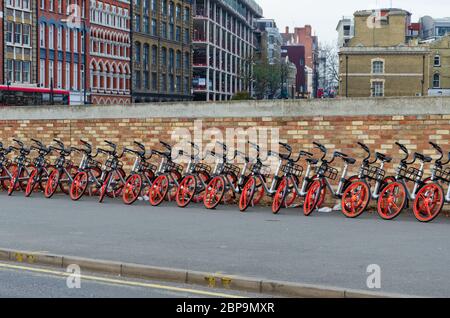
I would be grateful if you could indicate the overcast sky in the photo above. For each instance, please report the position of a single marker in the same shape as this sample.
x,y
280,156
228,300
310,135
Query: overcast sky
x,y
324,15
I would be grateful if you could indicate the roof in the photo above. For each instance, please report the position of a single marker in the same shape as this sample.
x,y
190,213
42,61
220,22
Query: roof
x,y
390,11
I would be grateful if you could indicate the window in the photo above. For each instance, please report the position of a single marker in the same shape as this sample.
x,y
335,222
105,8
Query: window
x,y
137,52
377,89
59,75
437,60
26,72
154,55
26,4
137,24
163,30
9,70
42,72
18,33
67,76
9,31
171,58
51,3
163,7
146,80
51,36
137,79
67,31
178,12
437,80
186,36
154,27
17,71
82,42
178,84
186,86
171,84
164,56
59,6
42,4
178,60
50,73
163,83
146,56
187,61
178,34
186,14
59,38
146,25
75,76
377,67
75,41
171,31
82,79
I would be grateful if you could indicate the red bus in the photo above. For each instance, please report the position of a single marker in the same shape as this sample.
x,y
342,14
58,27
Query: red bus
x,y
30,96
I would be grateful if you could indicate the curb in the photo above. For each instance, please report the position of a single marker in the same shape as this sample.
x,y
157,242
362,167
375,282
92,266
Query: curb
x,y
212,280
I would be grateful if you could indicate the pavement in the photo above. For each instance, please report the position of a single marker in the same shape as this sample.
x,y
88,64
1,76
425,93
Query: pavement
x,y
40,282
324,249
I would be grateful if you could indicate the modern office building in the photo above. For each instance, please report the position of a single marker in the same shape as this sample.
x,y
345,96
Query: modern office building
x,y
223,44
19,46
268,41
62,39
434,28
110,52
161,54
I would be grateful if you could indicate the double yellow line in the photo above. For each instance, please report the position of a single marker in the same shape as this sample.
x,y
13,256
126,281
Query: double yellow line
x,y
119,281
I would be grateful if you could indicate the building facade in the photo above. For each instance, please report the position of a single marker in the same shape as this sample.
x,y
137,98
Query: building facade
x,y
439,74
269,41
432,28
296,55
63,38
110,52
303,36
161,54
2,14
19,45
381,60
345,30
223,45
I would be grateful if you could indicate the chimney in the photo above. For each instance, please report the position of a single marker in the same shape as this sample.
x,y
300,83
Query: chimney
x,y
287,30
308,29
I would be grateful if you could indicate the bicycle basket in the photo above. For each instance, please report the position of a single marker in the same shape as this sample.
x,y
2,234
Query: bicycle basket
x,y
94,164
292,169
411,173
443,174
259,168
373,173
148,166
172,166
231,169
201,167
327,172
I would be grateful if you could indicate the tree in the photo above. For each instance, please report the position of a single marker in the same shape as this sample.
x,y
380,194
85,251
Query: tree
x,y
329,56
267,78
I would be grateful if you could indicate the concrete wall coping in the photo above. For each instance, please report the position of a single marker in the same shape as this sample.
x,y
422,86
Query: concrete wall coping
x,y
412,106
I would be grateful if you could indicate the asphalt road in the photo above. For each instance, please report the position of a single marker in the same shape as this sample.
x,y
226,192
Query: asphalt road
x,y
325,249
40,282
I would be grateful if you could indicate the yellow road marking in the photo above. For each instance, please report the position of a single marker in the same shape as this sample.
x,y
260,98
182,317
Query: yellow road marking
x,y
120,282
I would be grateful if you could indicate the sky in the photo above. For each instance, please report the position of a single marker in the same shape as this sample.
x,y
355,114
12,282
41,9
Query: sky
x,y
324,15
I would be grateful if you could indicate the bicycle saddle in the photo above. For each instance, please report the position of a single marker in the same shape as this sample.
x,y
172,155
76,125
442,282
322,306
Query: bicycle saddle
x,y
383,157
349,160
312,161
423,158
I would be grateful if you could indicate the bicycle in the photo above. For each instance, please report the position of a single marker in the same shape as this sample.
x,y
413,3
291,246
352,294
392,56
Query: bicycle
x,y
113,175
357,195
288,189
195,179
141,176
325,172
41,166
90,173
226,178
5,166
20,174
63,172
169,176
430,199
261,172
395,196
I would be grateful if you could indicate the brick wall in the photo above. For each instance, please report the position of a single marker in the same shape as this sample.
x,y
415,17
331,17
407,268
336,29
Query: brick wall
x,y
337,132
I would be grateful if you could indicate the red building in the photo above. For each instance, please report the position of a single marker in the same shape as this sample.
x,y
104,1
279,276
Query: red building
x,y
296,55
63,39
110,53
303,36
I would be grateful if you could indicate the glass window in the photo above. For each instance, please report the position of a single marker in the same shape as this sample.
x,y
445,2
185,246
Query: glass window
x,y
42,72
154,55
18,33
26,72
9,70
17,71
164,56
377,89
59,38
377,67
437,80
9,31
154,27
137,52
51,36
437,60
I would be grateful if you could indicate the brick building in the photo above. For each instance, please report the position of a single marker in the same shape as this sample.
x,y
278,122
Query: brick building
x,y
303,36
161,54
296,55
19,46
382,59
439,74
2,13
110,52
63,38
